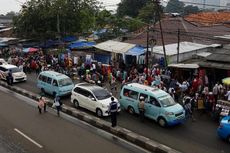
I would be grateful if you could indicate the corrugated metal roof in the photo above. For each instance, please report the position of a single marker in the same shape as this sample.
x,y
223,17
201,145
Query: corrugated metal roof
x,y
114,46
222,55
209,64
187,66
185,47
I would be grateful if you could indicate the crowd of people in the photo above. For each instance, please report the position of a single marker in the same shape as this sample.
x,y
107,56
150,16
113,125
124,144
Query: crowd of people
x,y
186,92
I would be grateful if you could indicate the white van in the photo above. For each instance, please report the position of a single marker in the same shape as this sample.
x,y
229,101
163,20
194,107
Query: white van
x,y
18,75
159,105
93,98
54,83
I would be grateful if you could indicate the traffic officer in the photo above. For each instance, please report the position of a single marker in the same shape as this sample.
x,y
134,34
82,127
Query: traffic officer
x,y
113,111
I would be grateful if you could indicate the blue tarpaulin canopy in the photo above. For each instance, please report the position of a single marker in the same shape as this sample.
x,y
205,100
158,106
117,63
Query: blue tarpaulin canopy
x,y
136,51
82,45
69,38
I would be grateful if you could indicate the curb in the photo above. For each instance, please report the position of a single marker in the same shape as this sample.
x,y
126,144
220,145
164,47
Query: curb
x,y
121,132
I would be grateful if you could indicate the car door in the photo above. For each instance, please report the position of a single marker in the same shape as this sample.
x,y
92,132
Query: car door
x,y
153,107
92,103
49,85
86,100
78,94
53,88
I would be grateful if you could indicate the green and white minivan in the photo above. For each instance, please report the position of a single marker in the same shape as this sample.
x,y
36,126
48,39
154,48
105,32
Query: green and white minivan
x,y
54,83
159,105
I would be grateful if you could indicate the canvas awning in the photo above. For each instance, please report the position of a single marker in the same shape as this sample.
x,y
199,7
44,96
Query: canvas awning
x,y
185,66
114,46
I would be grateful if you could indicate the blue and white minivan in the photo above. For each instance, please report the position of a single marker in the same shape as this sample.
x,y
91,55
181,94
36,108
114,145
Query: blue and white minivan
x,y
159,105
54,83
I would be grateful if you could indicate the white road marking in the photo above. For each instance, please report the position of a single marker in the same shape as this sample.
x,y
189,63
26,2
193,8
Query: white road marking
x,y
28,138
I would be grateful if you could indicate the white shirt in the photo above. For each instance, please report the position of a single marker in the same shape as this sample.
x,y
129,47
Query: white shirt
x,y
228,94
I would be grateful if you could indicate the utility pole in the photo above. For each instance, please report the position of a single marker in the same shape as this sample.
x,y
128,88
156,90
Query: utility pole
x,y
147,53
178,45
162,37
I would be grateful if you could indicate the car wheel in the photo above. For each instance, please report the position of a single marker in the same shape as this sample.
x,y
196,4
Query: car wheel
x,y
76,104
99,113
162,122
131,110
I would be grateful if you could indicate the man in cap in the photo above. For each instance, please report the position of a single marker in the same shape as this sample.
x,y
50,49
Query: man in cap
x,y
141,107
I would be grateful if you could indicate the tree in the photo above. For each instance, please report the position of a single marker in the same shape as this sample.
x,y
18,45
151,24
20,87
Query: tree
x,y
148,13
175,6
189,9
130,7
43,18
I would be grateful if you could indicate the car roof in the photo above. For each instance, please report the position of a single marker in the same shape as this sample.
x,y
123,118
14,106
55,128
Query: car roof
x,y
54,74
89,86
144,88
8,66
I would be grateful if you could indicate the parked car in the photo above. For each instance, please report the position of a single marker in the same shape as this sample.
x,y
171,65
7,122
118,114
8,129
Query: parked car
x,y
54,83
159,105
17,74
224,128
93,98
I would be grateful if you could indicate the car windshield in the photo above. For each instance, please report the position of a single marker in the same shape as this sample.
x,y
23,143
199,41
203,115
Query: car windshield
x,y
101,94
167,101
65,82
15,70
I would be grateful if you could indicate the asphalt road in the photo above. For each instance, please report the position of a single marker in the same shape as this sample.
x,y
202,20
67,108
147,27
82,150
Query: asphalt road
x,y
24,130
191,137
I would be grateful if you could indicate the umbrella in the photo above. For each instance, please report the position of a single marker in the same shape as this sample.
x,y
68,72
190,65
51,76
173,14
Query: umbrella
x,y
30,50
226,81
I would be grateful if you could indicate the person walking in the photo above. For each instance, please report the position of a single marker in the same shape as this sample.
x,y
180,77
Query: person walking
x,y
57,104
141,107
113,108
41,102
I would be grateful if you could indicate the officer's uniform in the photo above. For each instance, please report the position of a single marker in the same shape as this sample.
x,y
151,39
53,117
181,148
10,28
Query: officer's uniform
x,y
113,112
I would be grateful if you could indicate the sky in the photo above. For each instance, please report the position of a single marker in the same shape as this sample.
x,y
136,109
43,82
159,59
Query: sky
x,y
15,5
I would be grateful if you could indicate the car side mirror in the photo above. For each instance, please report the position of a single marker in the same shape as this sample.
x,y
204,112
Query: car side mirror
x,y
93,99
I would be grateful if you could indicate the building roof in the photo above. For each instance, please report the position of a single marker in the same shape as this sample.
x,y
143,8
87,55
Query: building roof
x,y
209,18
188,32
114,46
222,55
171,49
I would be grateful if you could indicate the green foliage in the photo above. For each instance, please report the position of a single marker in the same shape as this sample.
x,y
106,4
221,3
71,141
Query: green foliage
x,y
189,9
148,13
40,18
130,7
175,6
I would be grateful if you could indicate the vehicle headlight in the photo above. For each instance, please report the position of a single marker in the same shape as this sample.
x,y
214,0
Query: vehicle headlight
x,y
169,113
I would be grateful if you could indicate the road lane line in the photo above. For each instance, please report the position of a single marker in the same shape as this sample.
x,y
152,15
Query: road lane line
x,y
28,138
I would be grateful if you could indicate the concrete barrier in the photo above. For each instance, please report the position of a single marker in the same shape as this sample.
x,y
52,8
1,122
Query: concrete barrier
x,y
121,132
